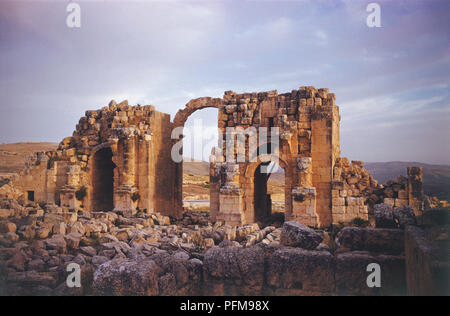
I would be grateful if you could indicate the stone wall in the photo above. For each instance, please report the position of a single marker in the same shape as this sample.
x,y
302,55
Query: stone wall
x,y
427,255
351,185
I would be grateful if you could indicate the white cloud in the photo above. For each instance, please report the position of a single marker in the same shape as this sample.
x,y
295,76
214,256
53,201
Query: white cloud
x,y
280,29
321,35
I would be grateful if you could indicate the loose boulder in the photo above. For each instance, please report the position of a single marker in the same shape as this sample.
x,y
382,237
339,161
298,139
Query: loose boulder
x,y
240,269
295,234
121,277
384,216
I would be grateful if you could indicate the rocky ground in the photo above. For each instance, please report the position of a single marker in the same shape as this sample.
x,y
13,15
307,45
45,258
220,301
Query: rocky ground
x,y
151,254
36,244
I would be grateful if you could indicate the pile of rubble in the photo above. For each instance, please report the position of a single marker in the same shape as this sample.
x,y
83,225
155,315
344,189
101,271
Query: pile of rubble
x,y
393,192
353,178
151,254
351,186
37,243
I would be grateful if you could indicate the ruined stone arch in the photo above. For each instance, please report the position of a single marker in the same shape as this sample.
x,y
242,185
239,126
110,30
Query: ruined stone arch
x,y
194,105
318,191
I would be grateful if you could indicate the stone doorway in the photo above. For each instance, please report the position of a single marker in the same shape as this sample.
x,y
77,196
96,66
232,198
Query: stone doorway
x,y
199,138
269,192
103,181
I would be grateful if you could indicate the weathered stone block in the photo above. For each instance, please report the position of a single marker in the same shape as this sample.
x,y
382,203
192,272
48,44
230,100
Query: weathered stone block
x,y
388,241
293,268
226,268
351,274
298,235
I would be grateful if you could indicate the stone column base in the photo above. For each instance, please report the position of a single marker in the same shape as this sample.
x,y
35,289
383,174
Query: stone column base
x,y
231,206
123,202
304,206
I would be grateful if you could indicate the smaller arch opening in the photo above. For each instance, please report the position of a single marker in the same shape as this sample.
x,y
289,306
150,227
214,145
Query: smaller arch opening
x,y
269,193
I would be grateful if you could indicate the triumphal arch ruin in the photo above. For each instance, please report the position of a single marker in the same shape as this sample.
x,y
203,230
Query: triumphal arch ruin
x,y
120,158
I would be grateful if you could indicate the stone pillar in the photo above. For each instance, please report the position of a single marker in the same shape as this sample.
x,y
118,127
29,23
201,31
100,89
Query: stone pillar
x,y
67,196
230,198
214,185
415,189
129,163
50,184
123,195
304,196
322,155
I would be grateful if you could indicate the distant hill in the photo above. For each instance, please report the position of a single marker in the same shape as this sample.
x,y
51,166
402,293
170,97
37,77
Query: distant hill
x,y
197,168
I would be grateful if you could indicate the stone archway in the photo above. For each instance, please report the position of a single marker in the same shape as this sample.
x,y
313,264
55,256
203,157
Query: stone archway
x,y
194,105
179,121
103,180
255,186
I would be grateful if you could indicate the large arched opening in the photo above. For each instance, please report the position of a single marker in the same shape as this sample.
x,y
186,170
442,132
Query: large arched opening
x,y
199,136
103,181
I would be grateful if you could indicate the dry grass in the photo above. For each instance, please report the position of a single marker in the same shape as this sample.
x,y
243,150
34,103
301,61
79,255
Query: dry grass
x,y
195,187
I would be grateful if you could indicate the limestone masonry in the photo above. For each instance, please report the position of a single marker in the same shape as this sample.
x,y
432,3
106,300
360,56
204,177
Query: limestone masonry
x,y
119,159
109,201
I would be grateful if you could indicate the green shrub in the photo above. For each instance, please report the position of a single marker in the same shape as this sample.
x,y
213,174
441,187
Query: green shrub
x,y
359,222
50,162
136,196
4,181
335,229
81,194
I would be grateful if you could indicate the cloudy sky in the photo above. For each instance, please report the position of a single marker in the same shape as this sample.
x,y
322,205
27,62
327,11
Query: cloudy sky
x,y
392,83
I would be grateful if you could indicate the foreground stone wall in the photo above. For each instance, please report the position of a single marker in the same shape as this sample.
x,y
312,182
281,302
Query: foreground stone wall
x,y
428,255
150,254
147,255
262,270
